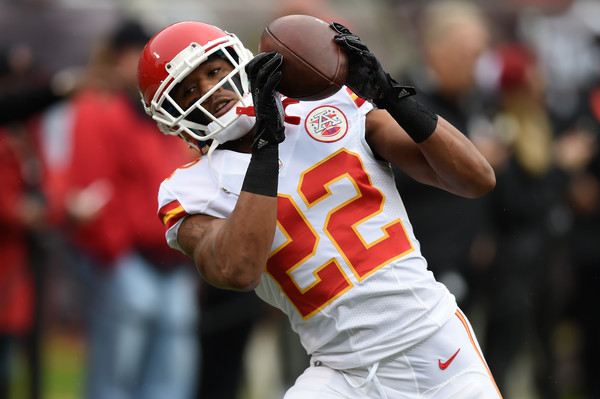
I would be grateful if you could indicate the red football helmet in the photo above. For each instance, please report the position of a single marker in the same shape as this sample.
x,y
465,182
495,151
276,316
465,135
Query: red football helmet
x,y
169,57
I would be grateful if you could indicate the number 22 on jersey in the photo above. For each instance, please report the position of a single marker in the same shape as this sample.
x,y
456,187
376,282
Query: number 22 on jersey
x,y
363,258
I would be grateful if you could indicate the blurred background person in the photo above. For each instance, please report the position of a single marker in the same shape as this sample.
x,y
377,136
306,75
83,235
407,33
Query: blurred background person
x,y
452,35
563,36
141,339
18,213
21,211
578,153
566,41
583,195
22,221
577,340
529,218
26,90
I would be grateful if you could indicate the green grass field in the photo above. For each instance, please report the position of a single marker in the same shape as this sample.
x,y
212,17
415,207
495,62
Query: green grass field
x,y
62,369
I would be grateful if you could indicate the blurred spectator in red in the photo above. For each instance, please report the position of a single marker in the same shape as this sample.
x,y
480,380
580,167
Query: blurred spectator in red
x,y
25,91
21,214
142,309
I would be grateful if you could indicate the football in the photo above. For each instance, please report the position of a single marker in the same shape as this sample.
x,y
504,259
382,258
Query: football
x,y
314,66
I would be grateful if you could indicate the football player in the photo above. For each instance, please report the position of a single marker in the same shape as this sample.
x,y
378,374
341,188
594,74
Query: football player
x,y
296,200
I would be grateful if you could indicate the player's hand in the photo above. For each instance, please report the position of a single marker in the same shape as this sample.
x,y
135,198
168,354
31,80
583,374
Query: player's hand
x,y
264,72
366,77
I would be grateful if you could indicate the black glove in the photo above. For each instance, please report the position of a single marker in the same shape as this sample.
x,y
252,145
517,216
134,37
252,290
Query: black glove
x,y
264,74
368,80
366,77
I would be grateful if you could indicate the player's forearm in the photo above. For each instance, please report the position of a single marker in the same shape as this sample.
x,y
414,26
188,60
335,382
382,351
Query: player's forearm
x,y
238,253
241,250
232,253
458,166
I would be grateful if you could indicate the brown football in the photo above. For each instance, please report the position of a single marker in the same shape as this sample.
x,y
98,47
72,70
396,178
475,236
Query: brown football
x,y
314,66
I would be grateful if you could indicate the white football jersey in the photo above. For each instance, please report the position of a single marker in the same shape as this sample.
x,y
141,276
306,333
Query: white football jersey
x,y
345,265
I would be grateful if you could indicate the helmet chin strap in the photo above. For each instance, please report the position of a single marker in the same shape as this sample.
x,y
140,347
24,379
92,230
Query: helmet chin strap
x,y
215,176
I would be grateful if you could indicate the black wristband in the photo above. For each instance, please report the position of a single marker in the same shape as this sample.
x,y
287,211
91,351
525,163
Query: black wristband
x,y
263,172
415,118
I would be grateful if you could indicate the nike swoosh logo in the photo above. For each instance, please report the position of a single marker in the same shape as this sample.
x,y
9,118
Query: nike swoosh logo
x,y
444,365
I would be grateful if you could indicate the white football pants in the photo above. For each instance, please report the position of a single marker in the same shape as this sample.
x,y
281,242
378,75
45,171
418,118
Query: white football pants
x,y
447,365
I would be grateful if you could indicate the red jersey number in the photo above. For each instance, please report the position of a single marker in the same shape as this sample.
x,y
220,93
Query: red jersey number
x,y
340,226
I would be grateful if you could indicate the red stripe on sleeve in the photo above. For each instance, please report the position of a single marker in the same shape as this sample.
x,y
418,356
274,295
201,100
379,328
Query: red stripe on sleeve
x,y
357,100
171,213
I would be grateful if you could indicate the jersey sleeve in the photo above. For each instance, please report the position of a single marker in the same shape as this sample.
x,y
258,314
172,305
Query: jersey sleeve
x,y
171,213
187,191
202,187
